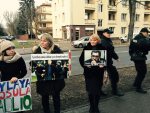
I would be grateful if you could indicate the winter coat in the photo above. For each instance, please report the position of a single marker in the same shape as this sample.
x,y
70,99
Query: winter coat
x,y
108,45
49,86
94,75
139,48
14,69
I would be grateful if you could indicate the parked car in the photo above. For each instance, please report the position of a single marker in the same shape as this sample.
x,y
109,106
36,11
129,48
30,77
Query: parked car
x,y
81,42
10,38
124,39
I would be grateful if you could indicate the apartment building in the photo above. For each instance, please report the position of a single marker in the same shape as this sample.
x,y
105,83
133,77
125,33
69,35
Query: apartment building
x,y
43,19
73,19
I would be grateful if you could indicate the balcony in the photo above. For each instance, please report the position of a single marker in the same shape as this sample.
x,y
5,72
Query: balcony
x,y
147,23
147,11
112,22
90,21
90,6
45,28
45,21
112,8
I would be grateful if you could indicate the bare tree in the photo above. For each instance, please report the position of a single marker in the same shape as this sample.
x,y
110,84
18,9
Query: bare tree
x,y
132,9
11,21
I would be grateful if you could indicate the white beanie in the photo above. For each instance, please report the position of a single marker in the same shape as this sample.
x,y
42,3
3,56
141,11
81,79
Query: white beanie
x,y
5,44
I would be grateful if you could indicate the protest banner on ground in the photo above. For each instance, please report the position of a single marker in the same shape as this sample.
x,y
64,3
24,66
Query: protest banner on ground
x,y
15,96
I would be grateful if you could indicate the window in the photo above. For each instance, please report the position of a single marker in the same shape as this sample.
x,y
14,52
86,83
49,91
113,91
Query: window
x,y
87,15
124,3
147,17
43,25
56,32
112,2
87,1
112,28
77,34
137,5
55,7
62,3
100,8
137,17
123,16
123,30
111,16
147,5
55,19
43,17
100,22
43,9
63,17
89,32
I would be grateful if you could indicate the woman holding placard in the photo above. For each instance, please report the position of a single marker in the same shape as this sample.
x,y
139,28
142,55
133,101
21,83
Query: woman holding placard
x,y
50,86
12,65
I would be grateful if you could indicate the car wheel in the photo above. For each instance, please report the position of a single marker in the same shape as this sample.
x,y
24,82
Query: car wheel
x,y
80,46
122,41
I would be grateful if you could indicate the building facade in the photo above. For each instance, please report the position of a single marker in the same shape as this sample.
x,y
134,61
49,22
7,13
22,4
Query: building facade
x,y
43,19
73,19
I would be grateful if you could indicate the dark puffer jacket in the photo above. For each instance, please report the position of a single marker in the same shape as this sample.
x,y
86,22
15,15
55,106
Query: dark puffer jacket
x,y
108,45
93,75
50,86
15,69
139,48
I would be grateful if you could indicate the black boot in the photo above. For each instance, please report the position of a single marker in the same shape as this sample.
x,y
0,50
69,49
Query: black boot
x,y
117,92
140,90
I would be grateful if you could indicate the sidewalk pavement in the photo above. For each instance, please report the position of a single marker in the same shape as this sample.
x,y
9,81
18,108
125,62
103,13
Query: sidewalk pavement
x,y
131,102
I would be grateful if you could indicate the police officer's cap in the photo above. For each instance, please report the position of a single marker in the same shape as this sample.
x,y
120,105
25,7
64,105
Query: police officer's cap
x,y
105,30
145,30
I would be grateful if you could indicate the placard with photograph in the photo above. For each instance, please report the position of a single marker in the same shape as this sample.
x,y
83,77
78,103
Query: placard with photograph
x,y
95,57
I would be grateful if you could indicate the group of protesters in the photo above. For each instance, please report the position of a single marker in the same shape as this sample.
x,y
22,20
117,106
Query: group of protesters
x,y
93,74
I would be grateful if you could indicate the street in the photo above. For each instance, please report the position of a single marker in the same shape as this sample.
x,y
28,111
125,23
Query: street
x,y
77,69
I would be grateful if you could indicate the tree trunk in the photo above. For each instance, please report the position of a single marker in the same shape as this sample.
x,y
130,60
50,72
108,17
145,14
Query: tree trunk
x,y
132,8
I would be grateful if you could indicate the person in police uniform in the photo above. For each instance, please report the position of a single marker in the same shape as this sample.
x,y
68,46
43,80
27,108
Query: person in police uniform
x,y
138,49
111,54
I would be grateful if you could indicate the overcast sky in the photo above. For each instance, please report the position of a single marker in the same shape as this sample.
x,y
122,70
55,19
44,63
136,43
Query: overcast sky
x,y
12,6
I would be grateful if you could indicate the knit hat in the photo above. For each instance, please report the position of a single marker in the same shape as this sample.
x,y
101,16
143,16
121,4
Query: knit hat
x,y
5,44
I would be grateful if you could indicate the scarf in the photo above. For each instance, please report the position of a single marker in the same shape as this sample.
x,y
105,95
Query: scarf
x,y
47,51
10,59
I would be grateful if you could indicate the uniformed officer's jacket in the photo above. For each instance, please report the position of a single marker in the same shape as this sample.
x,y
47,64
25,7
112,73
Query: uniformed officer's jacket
x,y
108,45
139,48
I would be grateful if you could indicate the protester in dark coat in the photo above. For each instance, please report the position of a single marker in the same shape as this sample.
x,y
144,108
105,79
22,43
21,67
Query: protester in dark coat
x,y
49,87
12,65
138,49
111,54
93,75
